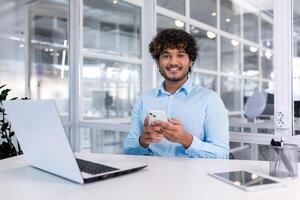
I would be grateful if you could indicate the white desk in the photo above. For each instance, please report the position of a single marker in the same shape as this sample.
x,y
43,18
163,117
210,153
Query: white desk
x,y
164,178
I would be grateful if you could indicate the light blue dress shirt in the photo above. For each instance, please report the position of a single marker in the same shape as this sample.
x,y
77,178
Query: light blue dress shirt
x,y
201,112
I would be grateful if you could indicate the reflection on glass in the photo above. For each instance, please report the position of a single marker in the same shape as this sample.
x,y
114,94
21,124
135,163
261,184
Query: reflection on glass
x,y
268,89
207,48
267,64
166,22
109,88
250,25
12,53
296,66
230,17
97,140
230,56
204,11
250,88
231,93
112,27
266,33
205,80
49,70
176,6
250,61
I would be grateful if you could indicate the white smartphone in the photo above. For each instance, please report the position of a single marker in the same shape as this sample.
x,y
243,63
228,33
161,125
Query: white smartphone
x,y
157,115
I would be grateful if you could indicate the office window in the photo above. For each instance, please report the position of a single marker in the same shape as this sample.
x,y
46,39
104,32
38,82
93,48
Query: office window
x,y
231,93
266,33
230,56
48,53
250,61
205,80
98,140
207,52
250,88
177,6
250,25
267,64
204,11
230,19
113,28
296,66
109,88
164,22
12,53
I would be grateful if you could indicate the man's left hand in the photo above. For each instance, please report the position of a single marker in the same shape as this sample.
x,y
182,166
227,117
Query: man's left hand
x,y
174,132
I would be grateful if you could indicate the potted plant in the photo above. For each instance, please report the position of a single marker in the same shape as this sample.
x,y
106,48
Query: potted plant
x,y
7,147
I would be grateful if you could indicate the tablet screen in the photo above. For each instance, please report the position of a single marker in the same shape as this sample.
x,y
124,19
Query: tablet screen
x,y
244,178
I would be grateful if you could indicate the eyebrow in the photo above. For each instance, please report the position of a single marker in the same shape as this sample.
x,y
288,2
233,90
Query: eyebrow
x,y
179,51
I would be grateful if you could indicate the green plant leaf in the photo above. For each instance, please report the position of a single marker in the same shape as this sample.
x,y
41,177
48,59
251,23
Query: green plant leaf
x,y
5,92
11,134
4,126
14,98
2,97
2,86
3,136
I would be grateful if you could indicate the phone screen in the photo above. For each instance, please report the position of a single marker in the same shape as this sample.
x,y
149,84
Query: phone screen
x,y
244,178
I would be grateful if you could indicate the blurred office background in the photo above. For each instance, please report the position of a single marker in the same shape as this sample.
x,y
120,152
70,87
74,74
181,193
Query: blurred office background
x,y
236,59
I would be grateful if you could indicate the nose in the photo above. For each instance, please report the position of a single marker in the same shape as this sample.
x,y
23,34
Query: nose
x,y
173,60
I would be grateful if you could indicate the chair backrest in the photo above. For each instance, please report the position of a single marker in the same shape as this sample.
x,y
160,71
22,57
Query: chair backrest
x,y
255,105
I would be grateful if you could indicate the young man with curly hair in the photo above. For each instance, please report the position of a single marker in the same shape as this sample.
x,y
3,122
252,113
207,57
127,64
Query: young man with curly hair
x,y
197,119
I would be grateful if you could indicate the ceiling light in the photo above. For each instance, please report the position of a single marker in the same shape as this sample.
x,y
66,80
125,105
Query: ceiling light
x,y
21,45
115,1
235,43
213,14
254,176
210,34
268,54
179,23
253,49
228,19
46,50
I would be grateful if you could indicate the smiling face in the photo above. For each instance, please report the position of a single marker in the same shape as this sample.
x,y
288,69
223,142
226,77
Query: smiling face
x,y
174,64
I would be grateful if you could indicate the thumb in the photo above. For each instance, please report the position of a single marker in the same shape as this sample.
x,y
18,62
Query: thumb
x,y
146,121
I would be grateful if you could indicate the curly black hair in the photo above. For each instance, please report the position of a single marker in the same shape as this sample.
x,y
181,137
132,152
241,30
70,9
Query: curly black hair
x,y
175,39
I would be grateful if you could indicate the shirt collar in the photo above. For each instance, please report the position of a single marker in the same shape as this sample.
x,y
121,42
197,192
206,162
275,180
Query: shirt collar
x,y
186,88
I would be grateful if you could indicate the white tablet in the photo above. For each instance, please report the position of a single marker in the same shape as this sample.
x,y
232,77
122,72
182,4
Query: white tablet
x,y
247,180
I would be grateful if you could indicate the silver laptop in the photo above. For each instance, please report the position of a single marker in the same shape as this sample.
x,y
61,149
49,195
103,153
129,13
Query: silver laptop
x,y
45,145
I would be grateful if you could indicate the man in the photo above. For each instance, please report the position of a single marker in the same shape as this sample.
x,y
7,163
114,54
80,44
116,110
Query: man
x,y
197,119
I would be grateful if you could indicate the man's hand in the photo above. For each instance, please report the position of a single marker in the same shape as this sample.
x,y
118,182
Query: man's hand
x,y
174,132
151,134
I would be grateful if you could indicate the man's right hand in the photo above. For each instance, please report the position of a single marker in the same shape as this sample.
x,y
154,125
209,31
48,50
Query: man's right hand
x,y
151,134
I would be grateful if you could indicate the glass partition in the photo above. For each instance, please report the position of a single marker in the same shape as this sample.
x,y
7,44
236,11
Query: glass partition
x,y
109,88
48,53
112,27
230,19
177,6
207,48
204,11
12,53
296,66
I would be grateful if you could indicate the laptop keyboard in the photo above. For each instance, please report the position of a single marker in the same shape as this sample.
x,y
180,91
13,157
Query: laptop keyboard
x,y
93,168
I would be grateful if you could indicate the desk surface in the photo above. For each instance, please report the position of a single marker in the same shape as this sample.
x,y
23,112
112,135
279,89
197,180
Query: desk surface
x,y
164,178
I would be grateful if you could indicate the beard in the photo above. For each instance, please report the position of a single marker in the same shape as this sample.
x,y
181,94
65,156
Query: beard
x,y
172,78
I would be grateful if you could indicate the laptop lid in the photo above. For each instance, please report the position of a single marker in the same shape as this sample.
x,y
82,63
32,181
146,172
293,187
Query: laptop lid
x,y
42,137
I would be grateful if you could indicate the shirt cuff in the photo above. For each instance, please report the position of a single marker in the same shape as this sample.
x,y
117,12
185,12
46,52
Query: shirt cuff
x,y
196,143
140,148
